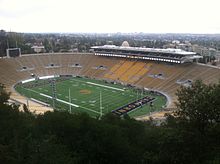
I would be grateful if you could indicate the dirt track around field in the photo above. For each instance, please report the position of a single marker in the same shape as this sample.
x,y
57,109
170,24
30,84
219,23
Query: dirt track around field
x,y
33,106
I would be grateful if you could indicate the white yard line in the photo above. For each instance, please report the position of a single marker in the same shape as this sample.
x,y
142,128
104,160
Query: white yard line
x,y
65,102
89,109
105,86
30,90
45,95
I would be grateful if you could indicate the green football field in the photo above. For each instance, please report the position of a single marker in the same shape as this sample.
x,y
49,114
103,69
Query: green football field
x,y
92,96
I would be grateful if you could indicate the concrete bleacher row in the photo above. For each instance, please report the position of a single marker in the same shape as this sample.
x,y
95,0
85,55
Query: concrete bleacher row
x,y
128,71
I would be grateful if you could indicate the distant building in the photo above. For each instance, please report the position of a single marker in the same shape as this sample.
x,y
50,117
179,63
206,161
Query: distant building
x,y
125,44
178,45
175,42
38,49
170,55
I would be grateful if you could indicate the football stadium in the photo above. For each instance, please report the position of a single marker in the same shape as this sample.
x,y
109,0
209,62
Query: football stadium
x,y
140,82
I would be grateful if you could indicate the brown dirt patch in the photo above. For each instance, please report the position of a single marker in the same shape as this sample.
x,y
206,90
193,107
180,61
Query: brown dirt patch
x,y
85,91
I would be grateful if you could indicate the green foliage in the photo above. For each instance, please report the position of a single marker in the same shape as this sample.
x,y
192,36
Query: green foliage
x,y
4,96
196,123
60,137
199,104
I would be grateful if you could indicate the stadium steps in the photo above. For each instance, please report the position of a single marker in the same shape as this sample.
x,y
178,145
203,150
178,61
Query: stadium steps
x,y
121,70
213,76
176,73
87,65
132,71
142,72
194,73
10,75
110,74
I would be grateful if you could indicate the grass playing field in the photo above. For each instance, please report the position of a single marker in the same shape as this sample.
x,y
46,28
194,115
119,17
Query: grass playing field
x,y
92,96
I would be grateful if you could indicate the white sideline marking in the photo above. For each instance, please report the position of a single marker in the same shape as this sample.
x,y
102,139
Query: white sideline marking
x,y
45,95
65,102
105,86
40,102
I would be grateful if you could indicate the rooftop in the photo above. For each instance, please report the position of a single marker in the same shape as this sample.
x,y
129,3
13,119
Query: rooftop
x,y
167,50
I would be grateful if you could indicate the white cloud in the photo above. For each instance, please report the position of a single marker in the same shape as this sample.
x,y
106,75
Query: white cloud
x,y
198,16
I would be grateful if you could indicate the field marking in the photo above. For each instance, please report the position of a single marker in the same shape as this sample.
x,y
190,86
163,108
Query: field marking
x,y
30,90
65,102
105,86
89,109
40,102
46,95
92,101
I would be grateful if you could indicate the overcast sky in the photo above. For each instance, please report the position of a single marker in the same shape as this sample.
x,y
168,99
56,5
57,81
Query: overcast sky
x,y
150,16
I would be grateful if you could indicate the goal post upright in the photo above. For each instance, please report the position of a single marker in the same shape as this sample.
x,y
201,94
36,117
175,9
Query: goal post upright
x,y
69,102
100,94
54,92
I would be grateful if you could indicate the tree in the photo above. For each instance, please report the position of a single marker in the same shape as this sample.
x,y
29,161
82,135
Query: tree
x,y
199,105
3,43
4,96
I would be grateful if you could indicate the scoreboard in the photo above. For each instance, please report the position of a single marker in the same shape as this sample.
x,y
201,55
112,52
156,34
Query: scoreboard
x,y
13,52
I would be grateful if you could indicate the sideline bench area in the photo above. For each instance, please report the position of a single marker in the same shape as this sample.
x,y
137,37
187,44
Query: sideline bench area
x,y
133,105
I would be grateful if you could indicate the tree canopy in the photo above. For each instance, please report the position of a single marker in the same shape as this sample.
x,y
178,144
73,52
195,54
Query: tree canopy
x,y
60,137
199,105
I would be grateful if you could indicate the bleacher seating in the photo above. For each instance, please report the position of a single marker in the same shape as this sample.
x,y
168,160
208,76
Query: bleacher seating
x,y
134,72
